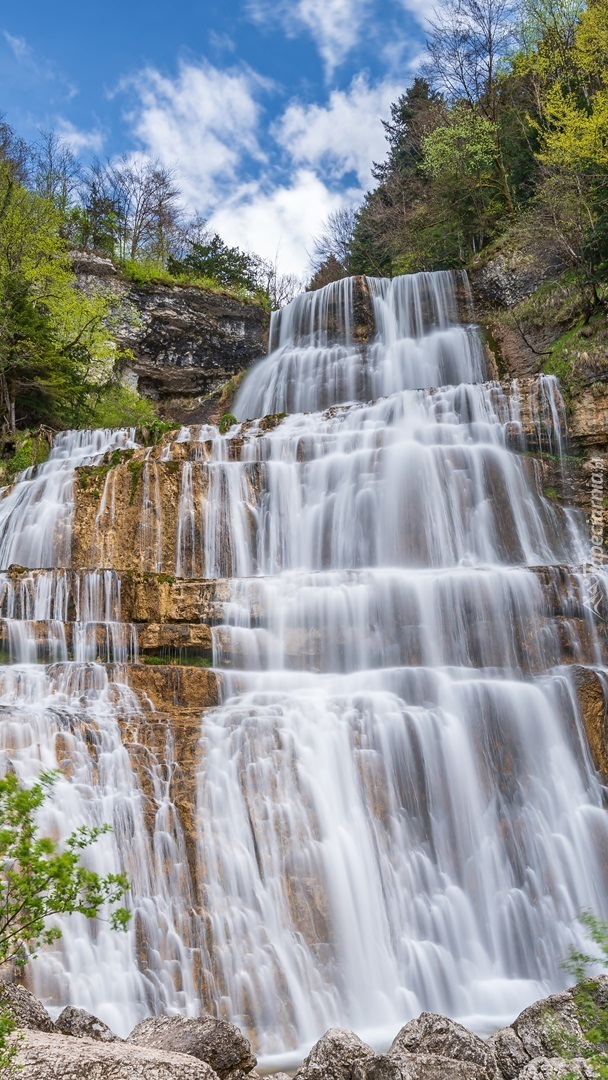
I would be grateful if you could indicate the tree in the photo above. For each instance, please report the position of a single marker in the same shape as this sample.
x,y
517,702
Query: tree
x,y
227,265
54,342
40,879
131,209
56,172
335,241
460,156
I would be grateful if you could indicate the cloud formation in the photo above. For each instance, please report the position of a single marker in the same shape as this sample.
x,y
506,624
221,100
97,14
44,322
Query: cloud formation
x,y
205,120
343,136
270,198
334,25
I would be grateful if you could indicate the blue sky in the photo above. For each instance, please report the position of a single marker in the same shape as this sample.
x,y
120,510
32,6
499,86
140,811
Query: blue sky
x,y
270,110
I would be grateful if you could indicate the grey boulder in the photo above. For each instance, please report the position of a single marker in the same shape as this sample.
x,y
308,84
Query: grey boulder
x,y
509,1051
545,1068
27,1011
436,1036
222,1045
82,1024
43,1056
335,1057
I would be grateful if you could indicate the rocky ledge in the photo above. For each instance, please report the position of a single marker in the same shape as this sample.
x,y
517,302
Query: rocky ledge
x,y
186,343
548,1040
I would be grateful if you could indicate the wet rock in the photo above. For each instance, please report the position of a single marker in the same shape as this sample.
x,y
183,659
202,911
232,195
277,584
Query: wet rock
x,y
82,1024
335,1057
25,1008
217,1042
509,1051
435,1035
545,1068
43,1056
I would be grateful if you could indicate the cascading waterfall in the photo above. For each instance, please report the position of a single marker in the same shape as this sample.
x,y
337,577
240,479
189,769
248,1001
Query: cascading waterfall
x,y
396,808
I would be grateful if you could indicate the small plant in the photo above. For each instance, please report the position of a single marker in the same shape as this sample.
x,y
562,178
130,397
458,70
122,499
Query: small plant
x,y
39,879
227,421
593,1017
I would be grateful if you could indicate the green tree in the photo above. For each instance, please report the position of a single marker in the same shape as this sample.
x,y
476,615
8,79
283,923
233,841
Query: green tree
x,y
54,340
214,259
40,879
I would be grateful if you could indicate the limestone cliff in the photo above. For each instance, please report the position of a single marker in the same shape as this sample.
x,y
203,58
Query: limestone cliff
x,y
186,342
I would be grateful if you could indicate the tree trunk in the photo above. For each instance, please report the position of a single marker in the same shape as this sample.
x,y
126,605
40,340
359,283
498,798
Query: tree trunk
x,y
9,405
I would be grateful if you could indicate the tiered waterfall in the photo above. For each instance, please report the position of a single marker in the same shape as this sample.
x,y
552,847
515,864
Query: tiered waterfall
x,y
392,805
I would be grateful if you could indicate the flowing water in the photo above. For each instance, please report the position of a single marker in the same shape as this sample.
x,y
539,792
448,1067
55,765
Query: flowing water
x,y
395,805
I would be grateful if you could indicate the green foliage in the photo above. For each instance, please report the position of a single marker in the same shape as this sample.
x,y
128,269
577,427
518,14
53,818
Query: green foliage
x,y
9,1043
116,405
229,266
226,422
593,1016
38,879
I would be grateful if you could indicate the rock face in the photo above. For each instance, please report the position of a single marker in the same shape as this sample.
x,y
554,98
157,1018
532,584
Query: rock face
x,y
509,276
48,1057
26,1010
82,1024
336,1057
186,342
436,1036
216,1042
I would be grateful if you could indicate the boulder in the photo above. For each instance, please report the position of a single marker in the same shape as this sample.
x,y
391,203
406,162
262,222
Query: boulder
x,y
26,1009
82,1024
217,1042
418,1067
335,1057
550,1026
436,1036
509,1051
546,1068
43,1056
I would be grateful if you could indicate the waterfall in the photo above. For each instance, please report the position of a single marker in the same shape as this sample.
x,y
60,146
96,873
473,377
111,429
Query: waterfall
x,y
394,805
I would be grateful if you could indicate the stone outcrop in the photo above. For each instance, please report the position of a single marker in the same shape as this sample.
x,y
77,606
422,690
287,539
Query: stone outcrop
x,y
186,343
25,1009
216,1042
43,1056
546,1041
83,1025
336,1057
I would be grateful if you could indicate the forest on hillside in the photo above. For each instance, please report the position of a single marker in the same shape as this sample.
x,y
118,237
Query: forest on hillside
x,y
504,133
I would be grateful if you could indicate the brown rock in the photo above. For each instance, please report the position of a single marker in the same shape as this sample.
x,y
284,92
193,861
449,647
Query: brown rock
x,y
438,1036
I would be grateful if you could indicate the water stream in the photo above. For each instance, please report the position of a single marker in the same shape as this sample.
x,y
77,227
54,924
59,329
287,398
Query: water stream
x,y
396,808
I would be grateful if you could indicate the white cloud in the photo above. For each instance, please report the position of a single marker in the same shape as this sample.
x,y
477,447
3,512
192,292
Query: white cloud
x,y
207,122
78,140
19,47
335,25
280,223
343,136
204,121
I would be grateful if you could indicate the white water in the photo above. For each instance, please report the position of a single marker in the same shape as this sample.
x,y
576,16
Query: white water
x,y
396,806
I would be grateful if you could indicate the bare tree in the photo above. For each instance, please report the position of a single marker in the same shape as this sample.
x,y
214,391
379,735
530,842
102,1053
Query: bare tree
x,y
56,172
15,154
336,239
137,203
467,41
